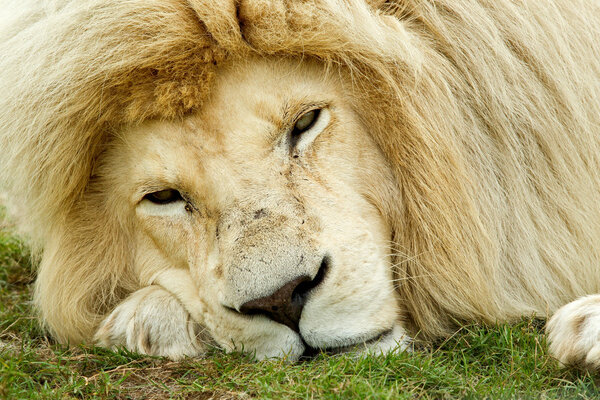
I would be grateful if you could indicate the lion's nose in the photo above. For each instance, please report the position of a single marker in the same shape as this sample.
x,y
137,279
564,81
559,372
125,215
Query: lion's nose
x,y
286,304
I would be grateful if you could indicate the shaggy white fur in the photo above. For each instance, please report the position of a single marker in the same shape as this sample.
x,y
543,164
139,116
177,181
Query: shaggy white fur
x,y
484,116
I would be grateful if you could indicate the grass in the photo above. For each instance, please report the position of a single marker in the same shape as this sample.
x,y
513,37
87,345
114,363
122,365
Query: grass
x,y
506,361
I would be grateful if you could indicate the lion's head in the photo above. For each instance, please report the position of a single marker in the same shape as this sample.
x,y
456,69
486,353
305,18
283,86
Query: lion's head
x,y
274,198
277,176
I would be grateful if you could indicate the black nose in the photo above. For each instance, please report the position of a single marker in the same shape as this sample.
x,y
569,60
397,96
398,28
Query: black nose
x,y
286,304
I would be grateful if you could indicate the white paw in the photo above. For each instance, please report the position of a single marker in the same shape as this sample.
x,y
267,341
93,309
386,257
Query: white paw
x,y
574,333
151,321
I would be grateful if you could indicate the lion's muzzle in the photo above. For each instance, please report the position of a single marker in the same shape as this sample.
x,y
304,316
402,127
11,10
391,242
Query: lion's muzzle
x,y
285,305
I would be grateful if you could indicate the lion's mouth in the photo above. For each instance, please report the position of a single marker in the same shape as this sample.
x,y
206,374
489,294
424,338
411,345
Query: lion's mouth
x,y
353,345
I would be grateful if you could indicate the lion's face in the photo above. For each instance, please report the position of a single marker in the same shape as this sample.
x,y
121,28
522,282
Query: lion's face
x,y
271,198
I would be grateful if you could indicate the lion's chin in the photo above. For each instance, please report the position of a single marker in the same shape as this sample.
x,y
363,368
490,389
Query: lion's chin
x,y
295,349
387,341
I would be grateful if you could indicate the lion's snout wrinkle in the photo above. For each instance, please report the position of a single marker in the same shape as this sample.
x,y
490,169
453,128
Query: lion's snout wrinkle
x,y
285,305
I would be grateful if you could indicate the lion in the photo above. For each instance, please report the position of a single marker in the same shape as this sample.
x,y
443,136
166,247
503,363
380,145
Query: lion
x,y
283,177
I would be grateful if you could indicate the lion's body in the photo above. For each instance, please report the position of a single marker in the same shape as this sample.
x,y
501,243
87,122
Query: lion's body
x,y
484,116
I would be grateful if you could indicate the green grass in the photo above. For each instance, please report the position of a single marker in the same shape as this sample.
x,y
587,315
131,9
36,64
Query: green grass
x,y
507,361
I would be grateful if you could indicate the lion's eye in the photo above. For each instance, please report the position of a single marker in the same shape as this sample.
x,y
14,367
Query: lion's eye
x,y
164,196
306,129
304,123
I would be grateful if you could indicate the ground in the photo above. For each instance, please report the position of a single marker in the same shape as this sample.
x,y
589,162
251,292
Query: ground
x,y
505,361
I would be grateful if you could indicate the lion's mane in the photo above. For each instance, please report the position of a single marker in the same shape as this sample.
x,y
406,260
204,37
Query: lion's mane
x,y
487,111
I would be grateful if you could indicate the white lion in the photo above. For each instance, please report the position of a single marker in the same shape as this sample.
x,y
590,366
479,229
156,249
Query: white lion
x,y
283,176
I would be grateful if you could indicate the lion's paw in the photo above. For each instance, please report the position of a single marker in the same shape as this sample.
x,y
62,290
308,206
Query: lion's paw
x,y
151,321
574,333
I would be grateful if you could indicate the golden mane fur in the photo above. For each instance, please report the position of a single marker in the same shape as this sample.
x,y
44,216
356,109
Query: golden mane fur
x,y
487,111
